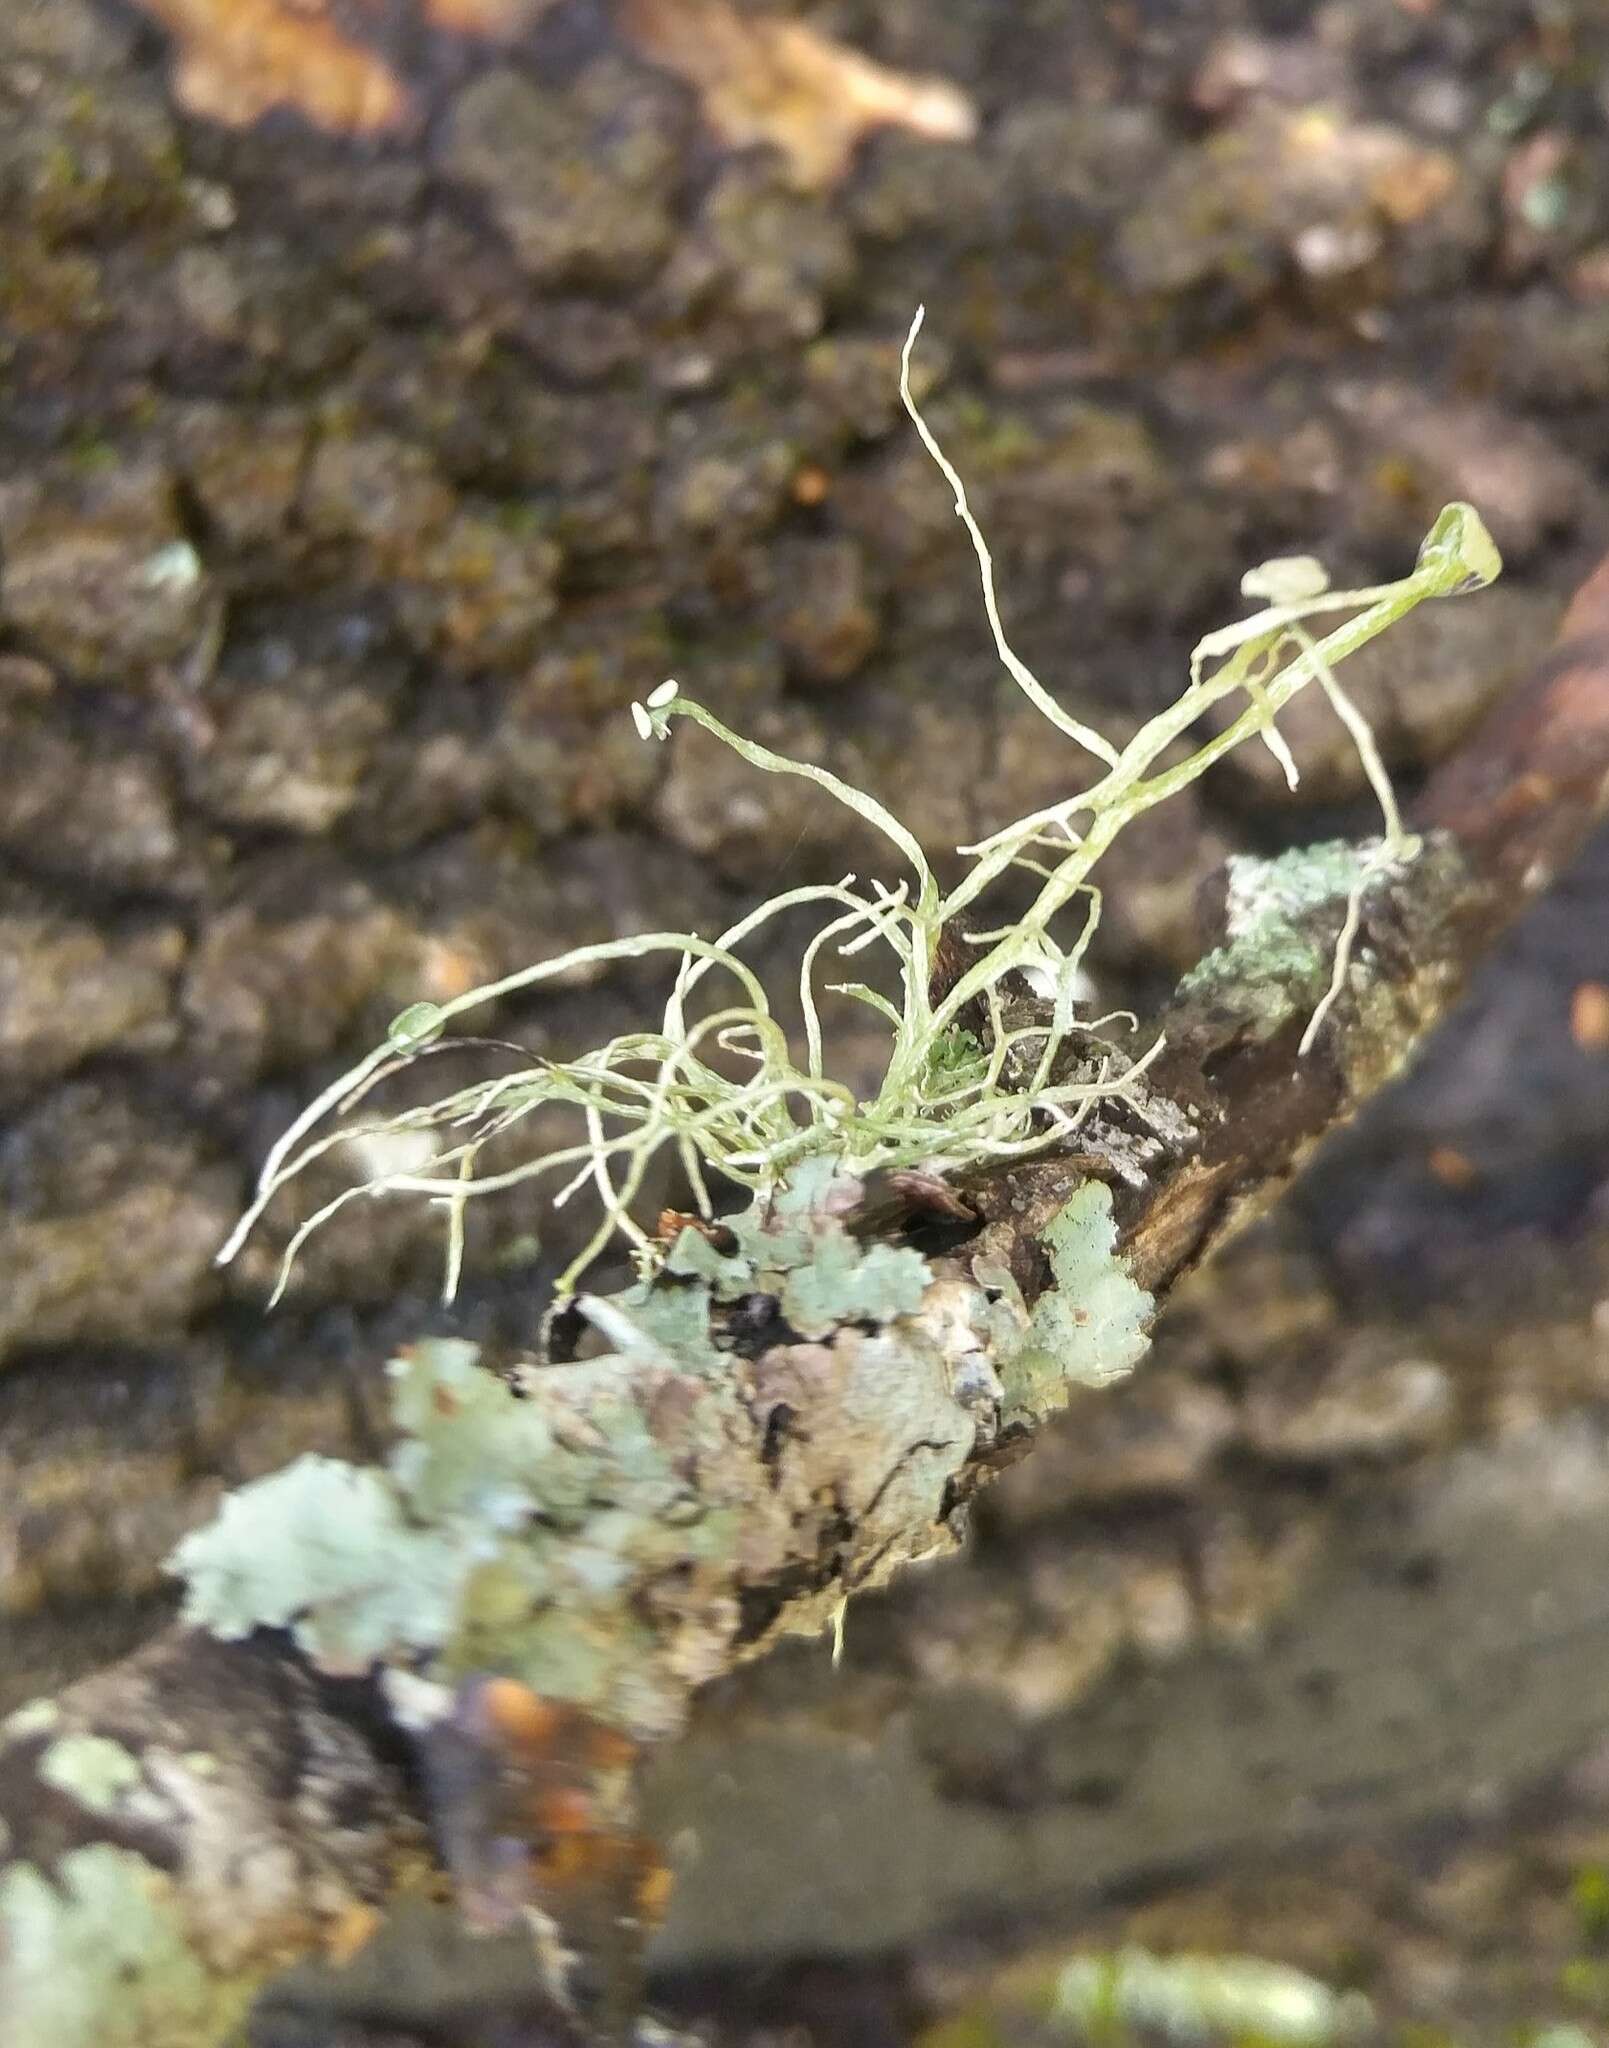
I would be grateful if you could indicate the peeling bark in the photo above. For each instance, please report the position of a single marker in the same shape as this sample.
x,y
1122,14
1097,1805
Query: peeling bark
x,y
791,1420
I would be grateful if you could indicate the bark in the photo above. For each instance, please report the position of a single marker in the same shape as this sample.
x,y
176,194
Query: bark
x,y
176,1828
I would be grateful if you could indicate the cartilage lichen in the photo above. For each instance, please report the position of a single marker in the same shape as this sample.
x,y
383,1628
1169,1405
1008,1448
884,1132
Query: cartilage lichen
x,y
947,1099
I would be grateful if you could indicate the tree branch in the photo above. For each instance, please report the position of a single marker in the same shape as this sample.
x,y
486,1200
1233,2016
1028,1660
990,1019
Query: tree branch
x,y
802,1402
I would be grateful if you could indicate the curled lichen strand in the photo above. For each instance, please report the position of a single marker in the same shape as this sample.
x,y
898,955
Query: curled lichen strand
x,y
720,1083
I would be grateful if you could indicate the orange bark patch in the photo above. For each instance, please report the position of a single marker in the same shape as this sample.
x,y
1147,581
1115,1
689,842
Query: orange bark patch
x,y
352,1929
1589,1016
654,1887
783,82
520,1716
1454,1169
239,59
497,19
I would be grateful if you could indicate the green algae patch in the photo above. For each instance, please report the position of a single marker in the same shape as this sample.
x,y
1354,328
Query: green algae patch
x,y
1122,1998
34,1717
1275,961
1196,1998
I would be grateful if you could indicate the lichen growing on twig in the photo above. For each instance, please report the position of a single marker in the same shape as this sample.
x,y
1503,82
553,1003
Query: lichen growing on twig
x,y
605,1530
719,1084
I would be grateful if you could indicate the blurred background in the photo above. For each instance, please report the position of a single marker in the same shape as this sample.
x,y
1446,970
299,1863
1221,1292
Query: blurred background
x,y
390,392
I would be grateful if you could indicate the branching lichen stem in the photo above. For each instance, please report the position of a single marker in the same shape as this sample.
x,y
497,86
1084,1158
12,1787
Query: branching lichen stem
x,y
945,1100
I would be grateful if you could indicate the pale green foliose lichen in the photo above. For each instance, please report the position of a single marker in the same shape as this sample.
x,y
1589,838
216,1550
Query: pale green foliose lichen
x,y
587,1528
34,1717
1190,1999
795,1248
92,1769
1090,1327
483,1516
1278,956
321,1547
97,1955
943,1101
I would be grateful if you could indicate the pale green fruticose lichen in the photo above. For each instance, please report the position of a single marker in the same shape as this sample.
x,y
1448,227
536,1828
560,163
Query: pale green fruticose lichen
x,y
97,1955
717,1082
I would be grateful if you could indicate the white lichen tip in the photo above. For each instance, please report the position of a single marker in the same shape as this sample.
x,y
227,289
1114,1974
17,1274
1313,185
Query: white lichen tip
x,y
176,568
1291,579
650,727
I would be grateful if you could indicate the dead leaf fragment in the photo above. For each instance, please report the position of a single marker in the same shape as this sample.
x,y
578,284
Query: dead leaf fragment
x,y
239,59
784,83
